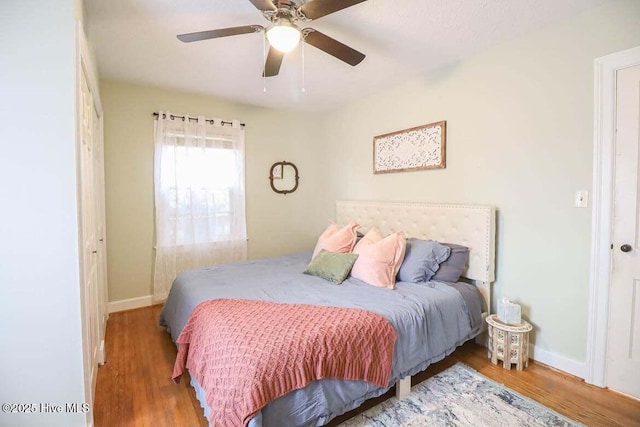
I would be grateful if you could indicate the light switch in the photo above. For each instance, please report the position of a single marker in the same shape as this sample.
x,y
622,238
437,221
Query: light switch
x,y
582,199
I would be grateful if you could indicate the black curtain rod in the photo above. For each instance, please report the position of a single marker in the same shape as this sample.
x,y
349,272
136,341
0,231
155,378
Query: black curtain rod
x,y
173,116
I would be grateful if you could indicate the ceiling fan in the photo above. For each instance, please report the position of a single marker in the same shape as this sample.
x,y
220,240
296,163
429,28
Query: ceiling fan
x,y
284,35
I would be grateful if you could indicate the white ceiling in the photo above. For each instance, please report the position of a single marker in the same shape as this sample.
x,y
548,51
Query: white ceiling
x,y
135,41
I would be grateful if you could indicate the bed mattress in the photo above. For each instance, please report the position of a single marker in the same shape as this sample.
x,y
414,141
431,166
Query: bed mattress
x,y
431,320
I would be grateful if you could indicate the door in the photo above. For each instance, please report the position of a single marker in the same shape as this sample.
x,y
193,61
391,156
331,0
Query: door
x,y
89,232
623,348
98,168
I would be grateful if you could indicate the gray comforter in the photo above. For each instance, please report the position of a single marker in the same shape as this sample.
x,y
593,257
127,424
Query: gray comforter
x,y
431,321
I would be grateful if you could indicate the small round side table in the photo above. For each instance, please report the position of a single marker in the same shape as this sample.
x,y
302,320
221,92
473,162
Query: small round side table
x,y
509,343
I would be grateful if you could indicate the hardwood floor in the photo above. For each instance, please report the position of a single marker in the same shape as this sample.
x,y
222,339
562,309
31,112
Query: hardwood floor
x,y
135,389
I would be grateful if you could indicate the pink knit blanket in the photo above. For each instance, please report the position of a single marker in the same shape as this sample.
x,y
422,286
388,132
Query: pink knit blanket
x,y
246,353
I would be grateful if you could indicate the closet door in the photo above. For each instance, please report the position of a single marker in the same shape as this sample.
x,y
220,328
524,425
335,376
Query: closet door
x,y
89,231
91,236
100,205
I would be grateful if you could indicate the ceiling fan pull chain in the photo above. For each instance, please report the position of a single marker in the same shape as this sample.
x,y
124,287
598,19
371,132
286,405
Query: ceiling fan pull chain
x,y
303,90
264,61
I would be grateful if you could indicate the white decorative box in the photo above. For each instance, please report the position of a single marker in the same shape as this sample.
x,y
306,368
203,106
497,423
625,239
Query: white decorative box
x,y
509,312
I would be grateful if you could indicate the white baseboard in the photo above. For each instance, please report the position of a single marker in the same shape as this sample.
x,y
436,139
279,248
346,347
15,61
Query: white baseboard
x,y
129,304
573,367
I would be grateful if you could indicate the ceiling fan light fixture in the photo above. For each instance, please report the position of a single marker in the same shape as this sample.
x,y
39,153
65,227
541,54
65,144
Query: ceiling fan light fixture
x,y
283,35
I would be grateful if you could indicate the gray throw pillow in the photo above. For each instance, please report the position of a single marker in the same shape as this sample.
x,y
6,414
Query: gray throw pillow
x,y
421,260
331,266
451,269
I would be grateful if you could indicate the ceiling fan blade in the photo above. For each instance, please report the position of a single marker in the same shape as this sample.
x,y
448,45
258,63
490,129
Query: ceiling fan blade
x,y
222,32
319,8
332,46
274,61
264,5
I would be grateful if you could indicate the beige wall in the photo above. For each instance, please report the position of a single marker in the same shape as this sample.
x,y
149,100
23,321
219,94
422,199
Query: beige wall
x,y
519,137
276,224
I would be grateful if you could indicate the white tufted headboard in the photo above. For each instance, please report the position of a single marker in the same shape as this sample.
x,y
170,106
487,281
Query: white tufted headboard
x,y
468,225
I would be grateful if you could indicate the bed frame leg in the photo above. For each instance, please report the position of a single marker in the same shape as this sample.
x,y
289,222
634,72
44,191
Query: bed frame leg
x,y
403,387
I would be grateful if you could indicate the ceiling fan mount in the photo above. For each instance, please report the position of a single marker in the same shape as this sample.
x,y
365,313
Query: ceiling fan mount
x,y
284,35
284,9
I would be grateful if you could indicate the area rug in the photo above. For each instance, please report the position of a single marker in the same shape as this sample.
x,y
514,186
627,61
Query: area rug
x,y
459,396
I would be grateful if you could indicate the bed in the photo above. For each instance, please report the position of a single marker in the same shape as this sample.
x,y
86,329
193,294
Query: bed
x,y
431,321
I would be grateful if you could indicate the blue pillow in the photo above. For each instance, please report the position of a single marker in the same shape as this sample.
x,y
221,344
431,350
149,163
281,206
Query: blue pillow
x,y
422,260
451,269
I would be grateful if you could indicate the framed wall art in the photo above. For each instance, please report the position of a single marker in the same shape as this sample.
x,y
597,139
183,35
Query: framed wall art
x,y
418,148
287,174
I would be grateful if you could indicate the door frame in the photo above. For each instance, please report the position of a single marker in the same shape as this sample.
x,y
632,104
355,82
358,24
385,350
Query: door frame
x,y
604,126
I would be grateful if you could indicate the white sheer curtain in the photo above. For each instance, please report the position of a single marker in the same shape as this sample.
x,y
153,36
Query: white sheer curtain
x,y
199,196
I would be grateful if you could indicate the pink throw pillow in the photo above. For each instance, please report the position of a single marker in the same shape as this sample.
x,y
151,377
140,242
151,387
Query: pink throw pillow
x,y
379,259
335,239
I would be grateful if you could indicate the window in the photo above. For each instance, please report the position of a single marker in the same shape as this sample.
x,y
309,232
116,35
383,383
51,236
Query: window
x,y
199,196
199,185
